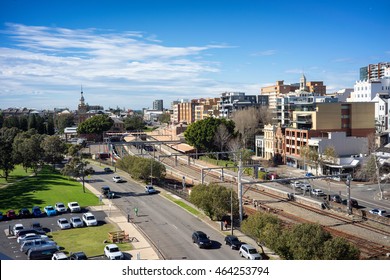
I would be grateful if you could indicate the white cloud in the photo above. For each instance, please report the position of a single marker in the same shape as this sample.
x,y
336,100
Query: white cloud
x,y
49,59
265,53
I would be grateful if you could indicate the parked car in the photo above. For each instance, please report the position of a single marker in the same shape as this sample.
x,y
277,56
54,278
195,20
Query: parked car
x,y
336,198
379,212
149,189
37,226
78,256
201,239
63,223
59,256
25,246
16,229
74,207
117,179
41,253
317,192
23,232
233,242
89,219
50,210
249,252
11,214
60,207
24,213
31,236
305,187
36,211
112,252
76,222
108,170
353,202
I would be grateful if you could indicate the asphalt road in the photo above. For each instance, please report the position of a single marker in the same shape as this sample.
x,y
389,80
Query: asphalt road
x,y
166,224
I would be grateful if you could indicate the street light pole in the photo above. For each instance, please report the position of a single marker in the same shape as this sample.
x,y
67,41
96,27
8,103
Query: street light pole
x,y
231,211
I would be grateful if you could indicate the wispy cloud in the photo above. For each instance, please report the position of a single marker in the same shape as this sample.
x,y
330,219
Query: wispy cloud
x,y
49,59
265,53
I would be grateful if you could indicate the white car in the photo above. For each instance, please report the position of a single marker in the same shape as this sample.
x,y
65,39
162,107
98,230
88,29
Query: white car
x,y
74,207
89,219
117,179
379,212
16,228
31,236
249,252
59,256
317,192
76,222
63,223
149,189
60,207
112,252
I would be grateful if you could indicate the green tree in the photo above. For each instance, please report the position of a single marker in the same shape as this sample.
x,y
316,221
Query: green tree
x,y
339,249
64,120
95,125
49,128
11,121
7,162
77,167
135,122
214,200
142,168
305,241
165,118
256,225
201,134
27,149
54,149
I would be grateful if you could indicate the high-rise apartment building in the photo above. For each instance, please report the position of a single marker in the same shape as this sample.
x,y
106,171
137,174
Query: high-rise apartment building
x,y
158,105
234,101
374,71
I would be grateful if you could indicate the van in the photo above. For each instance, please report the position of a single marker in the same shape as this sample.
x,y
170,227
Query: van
x,y
36,243
41,253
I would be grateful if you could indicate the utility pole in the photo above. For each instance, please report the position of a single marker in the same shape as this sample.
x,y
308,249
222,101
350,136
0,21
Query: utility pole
x,y
231,211
349,204
239,187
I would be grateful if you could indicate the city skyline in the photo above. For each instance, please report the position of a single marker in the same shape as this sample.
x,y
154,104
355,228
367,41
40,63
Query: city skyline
x,y
130,53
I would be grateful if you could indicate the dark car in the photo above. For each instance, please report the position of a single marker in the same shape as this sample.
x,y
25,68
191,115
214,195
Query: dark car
x,y
23,232
78,256
106,192
24,213
108,170
353,202
37,226
11,214
41,253
233,242
335,198
36,211
201,239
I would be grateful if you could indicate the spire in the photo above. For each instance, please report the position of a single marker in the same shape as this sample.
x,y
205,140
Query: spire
x,y
302,84
82,96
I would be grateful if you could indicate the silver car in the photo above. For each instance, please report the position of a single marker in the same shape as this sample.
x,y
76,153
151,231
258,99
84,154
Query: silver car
x,y
35,243
76,222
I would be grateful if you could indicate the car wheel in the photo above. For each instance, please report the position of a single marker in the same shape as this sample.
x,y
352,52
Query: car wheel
x,y
240,254
226,243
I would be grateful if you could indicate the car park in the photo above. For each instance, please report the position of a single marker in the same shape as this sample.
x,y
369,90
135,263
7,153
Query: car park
x,y
249,252
60,207
59,256
36,211
41,253
117,179
11,214
149,189
76,222
74,207
50,210
233,242
379,212
112,252
89,219
201,239
16,229
78,256
25,246
63,223
317,192
24,213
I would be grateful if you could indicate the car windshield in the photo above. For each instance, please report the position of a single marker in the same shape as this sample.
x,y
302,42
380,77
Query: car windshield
x,y
202,236
74,204
90,218
49,208
252,251
115,249
63,221
235,239
76,220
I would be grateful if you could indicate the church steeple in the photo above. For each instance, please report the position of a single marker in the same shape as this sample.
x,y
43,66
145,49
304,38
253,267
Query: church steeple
x,y
82,97
302,84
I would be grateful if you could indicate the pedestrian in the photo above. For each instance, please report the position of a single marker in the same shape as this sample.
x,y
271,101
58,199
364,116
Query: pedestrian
x,y
225,224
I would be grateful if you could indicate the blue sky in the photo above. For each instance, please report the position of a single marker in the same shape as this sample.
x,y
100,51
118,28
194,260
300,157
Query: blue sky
x,y
129,53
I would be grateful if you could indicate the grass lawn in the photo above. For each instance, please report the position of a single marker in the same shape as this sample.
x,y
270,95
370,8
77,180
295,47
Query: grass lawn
x,y
17,174
90,240
184,205
47,188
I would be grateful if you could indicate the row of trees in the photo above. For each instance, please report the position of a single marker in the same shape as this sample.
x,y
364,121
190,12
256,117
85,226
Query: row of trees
x,y
300,242
29,148
142,168
43,125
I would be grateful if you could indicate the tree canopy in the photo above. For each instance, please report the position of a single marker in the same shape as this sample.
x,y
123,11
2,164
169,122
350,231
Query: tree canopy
x,y
95,125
